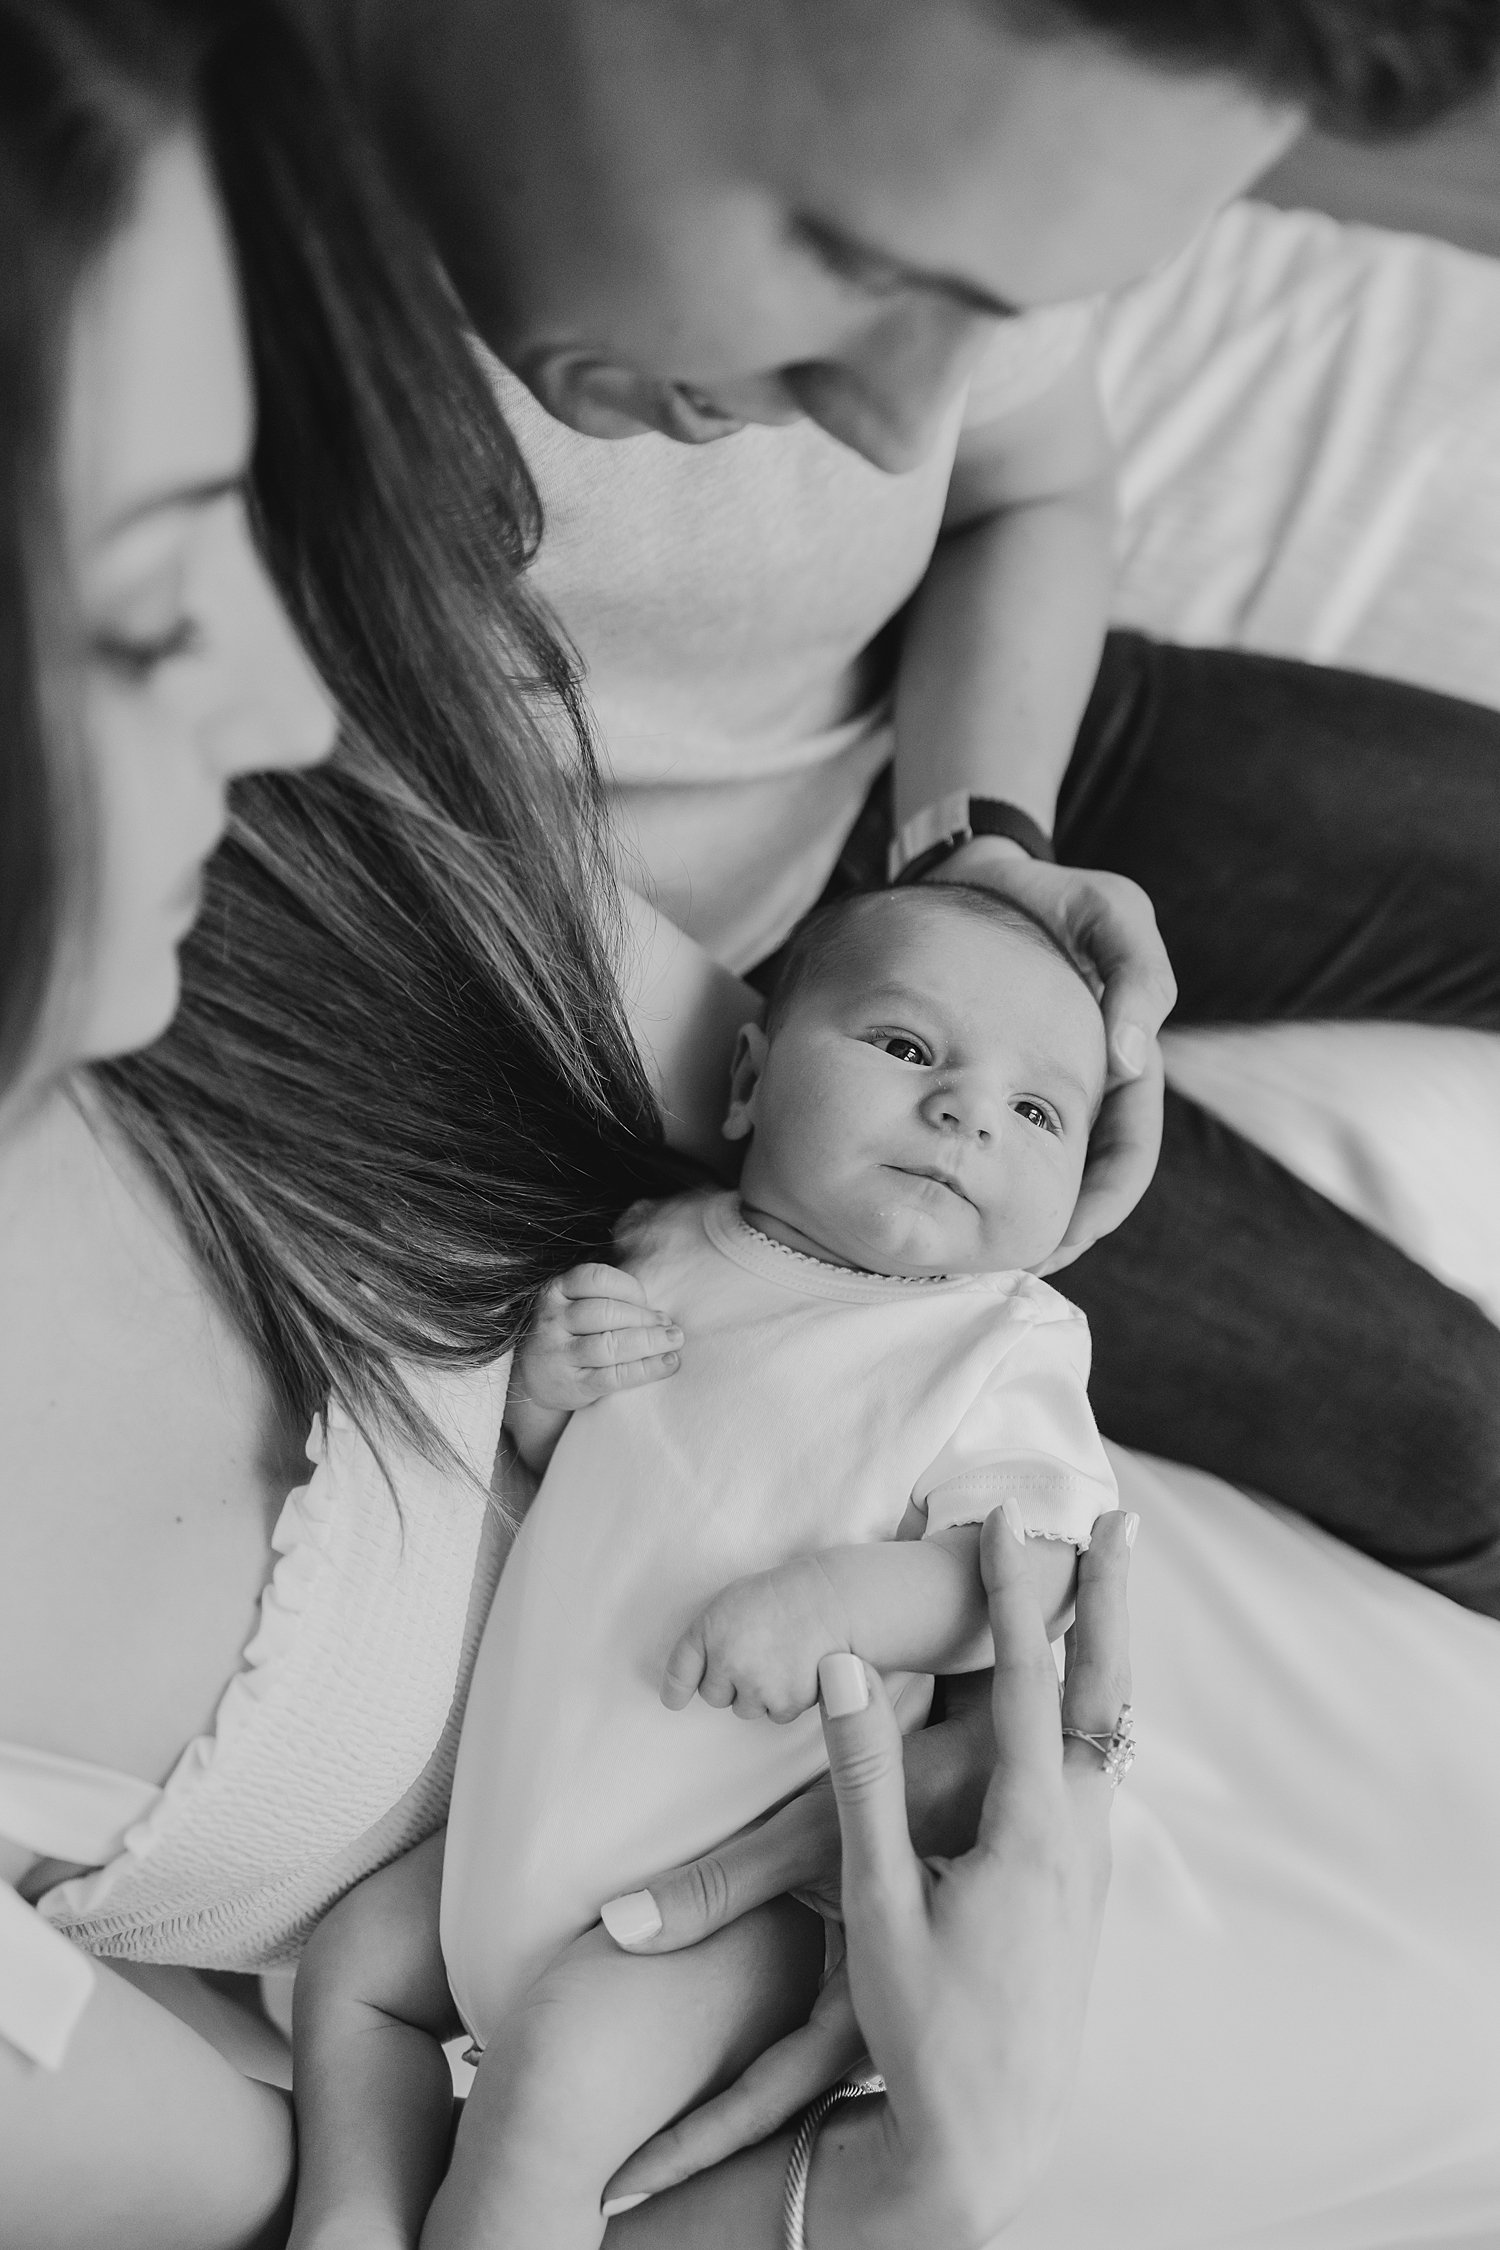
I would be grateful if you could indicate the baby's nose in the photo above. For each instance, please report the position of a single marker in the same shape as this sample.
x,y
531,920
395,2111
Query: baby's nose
x,y
965,1111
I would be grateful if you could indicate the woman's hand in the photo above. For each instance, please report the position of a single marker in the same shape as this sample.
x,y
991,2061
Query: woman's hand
x,y
1042,1854
970,1977
1107,923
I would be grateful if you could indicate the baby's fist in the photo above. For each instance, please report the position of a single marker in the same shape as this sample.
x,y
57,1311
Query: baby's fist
x,y
757,1646
594,1333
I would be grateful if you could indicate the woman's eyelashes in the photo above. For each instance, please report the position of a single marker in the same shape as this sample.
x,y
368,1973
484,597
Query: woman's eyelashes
x,y
138,655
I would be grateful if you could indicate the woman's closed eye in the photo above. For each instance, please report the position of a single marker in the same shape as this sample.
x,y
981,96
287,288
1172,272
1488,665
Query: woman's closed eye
x,y
137,656
1038,1114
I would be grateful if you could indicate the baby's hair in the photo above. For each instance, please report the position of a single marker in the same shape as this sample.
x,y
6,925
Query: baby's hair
x,y
824,940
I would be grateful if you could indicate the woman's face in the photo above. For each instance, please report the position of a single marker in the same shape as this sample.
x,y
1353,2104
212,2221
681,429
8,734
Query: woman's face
x,y
184,670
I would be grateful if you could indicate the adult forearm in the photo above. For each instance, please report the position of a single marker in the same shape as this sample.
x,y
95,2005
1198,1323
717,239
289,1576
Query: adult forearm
x,y
1000,653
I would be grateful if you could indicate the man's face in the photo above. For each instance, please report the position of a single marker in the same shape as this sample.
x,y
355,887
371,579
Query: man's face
x,y
925,1106
685,215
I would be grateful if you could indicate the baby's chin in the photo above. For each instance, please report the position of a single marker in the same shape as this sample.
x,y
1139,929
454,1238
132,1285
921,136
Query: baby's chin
x,y
917,1241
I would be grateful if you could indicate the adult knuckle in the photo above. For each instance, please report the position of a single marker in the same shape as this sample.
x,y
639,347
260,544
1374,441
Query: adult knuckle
x,y
708,1890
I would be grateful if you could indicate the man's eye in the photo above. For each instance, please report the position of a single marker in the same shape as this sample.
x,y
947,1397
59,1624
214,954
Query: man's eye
x,y
139,658
1036,1114
906,1049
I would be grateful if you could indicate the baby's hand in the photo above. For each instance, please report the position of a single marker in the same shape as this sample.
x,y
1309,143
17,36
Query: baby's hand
x,y
594,1333
757,1646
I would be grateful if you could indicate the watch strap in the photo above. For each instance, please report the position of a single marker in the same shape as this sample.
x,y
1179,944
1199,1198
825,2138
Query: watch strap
x,y
943,827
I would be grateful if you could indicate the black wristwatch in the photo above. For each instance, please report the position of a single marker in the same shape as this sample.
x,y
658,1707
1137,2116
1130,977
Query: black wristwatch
x,y
938,830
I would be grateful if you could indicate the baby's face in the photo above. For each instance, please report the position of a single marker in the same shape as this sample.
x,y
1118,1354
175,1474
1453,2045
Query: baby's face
x,y
924,1108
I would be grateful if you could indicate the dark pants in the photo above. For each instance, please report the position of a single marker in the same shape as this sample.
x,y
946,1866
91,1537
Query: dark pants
x,y
1317,844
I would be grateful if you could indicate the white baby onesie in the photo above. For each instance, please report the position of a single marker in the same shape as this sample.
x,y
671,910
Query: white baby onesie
x,y
813,1407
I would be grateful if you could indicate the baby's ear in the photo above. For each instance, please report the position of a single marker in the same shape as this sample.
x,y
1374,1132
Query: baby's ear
x,y
750,1051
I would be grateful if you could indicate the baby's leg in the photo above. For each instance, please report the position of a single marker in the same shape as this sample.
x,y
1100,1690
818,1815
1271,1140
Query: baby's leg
x,y
606,2049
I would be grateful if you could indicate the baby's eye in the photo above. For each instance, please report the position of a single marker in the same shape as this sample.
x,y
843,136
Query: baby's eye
x,y
905,1048
1037,1113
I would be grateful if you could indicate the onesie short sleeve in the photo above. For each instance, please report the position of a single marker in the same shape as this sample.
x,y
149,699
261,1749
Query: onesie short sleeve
x,y
1029,1435
1025,358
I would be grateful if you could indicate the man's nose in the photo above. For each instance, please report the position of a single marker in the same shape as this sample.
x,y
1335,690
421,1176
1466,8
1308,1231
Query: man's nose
x,y
887,396
964,1109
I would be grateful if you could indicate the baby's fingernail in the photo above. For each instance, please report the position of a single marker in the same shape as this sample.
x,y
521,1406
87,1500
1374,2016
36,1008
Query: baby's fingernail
x,y
631,1919
619,2203
842,1684
674,1335
1130,1048
1132,1526
1011,1510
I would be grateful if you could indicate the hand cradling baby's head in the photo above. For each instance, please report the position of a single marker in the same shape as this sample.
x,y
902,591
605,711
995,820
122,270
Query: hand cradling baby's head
x,y
921,1096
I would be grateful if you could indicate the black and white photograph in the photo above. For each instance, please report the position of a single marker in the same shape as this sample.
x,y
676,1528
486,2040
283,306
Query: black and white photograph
x,y
749,1124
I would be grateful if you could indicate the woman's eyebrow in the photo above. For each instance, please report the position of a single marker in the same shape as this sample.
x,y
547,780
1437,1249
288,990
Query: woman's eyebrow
x,y
847,255
200,495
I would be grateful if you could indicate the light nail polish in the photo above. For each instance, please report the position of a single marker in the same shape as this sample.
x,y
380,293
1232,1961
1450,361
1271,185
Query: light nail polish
x,y
1011,1510
842,1684
632,1918
618,2203
1132,1526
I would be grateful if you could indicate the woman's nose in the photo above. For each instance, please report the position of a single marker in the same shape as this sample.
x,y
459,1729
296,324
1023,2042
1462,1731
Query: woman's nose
x,y
887,396
273,710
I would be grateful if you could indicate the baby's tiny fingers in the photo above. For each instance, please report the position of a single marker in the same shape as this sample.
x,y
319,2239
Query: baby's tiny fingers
x,y
618,1347
600,1281
684,1670
586,1316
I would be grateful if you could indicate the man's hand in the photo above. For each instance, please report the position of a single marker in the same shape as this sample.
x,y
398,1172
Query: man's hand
x,y
1108,925
594,1333
755,1650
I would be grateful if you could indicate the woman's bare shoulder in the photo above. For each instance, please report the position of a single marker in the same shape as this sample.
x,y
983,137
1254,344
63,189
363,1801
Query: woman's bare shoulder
x,y
143,1460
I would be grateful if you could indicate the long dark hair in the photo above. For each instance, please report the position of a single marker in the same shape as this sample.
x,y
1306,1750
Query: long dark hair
x,y
398,1094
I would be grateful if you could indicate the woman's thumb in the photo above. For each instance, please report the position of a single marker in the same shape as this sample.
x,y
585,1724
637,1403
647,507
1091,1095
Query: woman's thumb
x,y
869,1786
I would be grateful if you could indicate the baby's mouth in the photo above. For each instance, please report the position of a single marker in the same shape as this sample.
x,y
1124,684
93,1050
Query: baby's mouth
x,y
941,1178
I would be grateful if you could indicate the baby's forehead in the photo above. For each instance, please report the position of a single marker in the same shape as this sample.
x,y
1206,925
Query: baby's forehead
x,y
1003,977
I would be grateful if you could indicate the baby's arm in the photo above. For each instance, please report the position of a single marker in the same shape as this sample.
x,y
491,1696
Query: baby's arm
x,y
373,2090
593,1333
906,1605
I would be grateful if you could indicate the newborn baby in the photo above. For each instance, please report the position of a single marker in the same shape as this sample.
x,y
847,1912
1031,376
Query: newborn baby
x,y
867,1369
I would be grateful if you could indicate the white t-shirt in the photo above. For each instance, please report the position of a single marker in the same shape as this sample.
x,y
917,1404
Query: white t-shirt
x,y
815,1407
724,598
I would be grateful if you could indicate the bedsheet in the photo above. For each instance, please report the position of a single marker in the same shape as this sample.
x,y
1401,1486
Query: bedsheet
x,y
1308,416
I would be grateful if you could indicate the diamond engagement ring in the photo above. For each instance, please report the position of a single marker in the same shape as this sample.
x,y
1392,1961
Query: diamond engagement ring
x,y
1116,1749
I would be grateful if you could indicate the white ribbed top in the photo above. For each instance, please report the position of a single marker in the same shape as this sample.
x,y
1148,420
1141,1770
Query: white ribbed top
x,y
332,1748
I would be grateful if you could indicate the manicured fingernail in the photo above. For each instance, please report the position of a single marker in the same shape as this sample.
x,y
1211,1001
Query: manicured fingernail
x,y
842,1684
632,1919
1011,1510
619,2203
1130,1048
1132,1526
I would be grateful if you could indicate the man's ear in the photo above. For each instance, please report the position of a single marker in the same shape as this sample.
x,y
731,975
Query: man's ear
x,y
750,1051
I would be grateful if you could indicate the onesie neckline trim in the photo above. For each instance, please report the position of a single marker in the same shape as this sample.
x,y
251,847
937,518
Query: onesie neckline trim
x,y
730,1231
